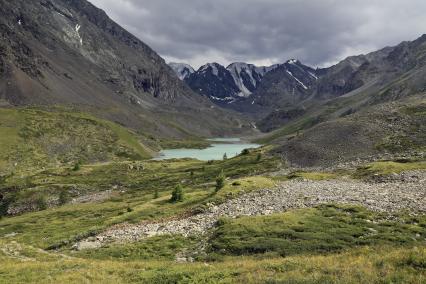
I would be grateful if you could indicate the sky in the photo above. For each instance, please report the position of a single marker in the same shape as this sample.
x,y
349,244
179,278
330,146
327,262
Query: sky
x,y
263,32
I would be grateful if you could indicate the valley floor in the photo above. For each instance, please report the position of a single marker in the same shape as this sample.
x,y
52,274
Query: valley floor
x,y
380,197
268,224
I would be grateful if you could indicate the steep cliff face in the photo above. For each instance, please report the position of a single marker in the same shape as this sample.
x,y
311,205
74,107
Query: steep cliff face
x,y
70,52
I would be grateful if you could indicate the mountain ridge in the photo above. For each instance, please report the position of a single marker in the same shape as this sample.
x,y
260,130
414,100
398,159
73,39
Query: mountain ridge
x,y
71,53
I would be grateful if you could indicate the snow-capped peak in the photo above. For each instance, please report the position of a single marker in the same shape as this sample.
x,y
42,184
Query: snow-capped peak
x,y
213,66
245,75
182,70
292,61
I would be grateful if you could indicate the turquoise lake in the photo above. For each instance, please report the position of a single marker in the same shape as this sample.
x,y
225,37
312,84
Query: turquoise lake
x,y
231,146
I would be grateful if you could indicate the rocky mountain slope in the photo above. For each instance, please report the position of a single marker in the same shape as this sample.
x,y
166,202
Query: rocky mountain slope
x,y
71,53
214,82
384,131
223,86
388,74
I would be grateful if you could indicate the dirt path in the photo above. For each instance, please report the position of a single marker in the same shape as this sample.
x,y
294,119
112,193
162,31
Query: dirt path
x,y
384,197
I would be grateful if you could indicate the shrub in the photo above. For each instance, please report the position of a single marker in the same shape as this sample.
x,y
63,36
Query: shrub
x,y
177,194
236,183
5,201
2,179
156,194
245,152
76,167
64,197
129,209
41,202
259,157
220,181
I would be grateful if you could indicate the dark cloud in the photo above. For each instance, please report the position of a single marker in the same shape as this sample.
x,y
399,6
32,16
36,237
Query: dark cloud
x,y
318,32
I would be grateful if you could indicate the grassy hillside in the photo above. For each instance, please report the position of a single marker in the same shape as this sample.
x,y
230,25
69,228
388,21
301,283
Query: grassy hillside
x,y
151,262
329,243
108,190
328,135
33,139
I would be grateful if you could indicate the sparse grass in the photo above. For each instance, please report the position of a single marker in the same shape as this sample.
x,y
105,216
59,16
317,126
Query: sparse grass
x,y
313,175
297,125
241,186
365,265
155,248
388,167
317,175
32,138
413,137
187,144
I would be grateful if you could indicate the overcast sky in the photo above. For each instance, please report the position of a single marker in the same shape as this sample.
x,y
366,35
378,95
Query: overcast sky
x,y
264,32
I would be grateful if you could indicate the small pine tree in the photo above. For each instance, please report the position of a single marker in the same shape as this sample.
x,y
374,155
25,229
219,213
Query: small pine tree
x,y
156,194
220,181
225,157
259,157
177,194
76,167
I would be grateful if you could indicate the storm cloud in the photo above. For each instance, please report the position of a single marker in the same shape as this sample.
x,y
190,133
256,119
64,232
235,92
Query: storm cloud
x,y
263,32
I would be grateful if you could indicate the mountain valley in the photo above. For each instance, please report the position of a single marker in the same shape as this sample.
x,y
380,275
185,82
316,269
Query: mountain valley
x,y
329,188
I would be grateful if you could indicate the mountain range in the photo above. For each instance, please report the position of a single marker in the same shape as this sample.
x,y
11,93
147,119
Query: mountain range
x,y
261,91
223,85
68,53
356,95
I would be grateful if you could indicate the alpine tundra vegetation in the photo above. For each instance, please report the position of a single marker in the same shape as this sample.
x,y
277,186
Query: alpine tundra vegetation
x,y
117,167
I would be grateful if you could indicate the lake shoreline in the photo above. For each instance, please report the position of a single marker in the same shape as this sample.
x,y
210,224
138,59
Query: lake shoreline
x,y
219,148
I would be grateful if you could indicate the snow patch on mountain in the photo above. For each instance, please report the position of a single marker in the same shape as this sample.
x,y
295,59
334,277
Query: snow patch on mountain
x,y
252,72
300,82
77,30
313,75
236,70
182,70
212,66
